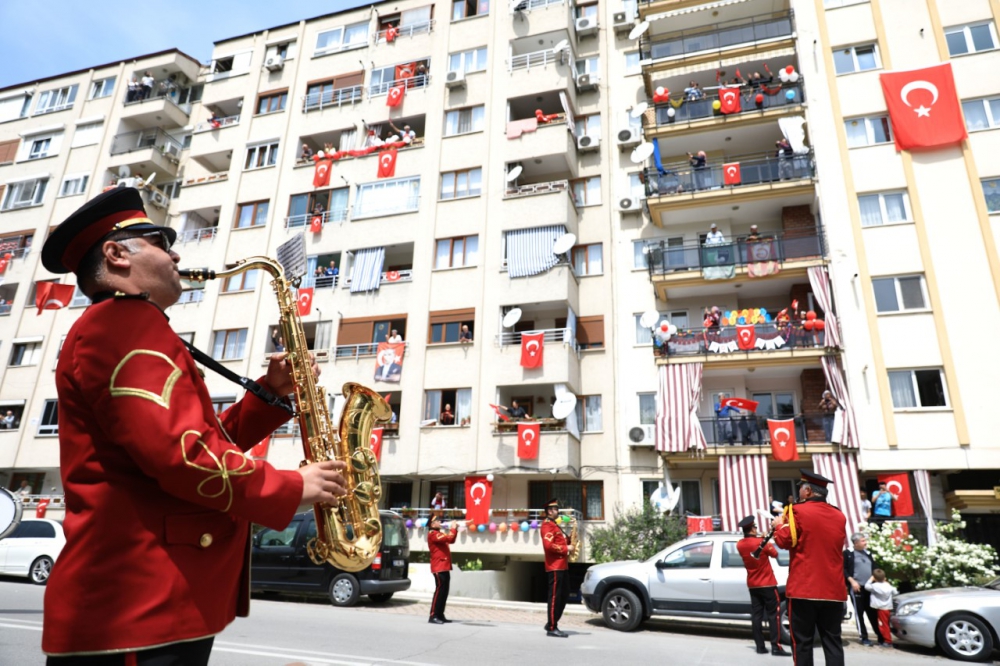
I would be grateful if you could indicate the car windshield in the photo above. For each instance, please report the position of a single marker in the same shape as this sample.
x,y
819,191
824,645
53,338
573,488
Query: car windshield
x,y
393,530
993,584
663,553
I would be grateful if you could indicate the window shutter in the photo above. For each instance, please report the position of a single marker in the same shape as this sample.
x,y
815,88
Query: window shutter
x,y
349,80
8,150
448,316
354,332
590,331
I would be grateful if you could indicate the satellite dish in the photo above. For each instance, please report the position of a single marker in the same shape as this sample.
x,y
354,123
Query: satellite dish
x,y
639,30
564,406
649,318
564,244
512,317
642,152
638,110
514,173
124,171
663,500
560,46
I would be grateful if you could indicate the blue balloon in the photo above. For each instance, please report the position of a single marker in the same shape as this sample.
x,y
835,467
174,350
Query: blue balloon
x,y
763,311
789,95
767,318
421,522
480,528
524,526
741,320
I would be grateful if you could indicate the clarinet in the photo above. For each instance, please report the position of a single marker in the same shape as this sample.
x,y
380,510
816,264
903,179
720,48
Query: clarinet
x,y
770,535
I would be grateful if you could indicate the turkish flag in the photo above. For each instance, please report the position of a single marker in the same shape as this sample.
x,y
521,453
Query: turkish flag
x,y
3,262
527,440
700,524
395,96
259,450
499,412
924,107
731,174
391,33
305,301
899,485
405,71
901,532
376,443
52,296
316,224
739,403
746,336
321,176
43,506
729,98
392,276
783,446
478,495
387,163
532,346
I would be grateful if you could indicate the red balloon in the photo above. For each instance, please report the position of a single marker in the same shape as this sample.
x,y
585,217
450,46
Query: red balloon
x,y
789,69
664,326
808,324
759,98
819,324
810,315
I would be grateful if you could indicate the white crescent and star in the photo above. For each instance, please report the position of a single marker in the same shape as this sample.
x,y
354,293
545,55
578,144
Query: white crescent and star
x,y
729,95
528,345
782,440
472,492
394,93
528,436
921,111
898,485
386,160
731,170
304,300
745,334
372,440
54,302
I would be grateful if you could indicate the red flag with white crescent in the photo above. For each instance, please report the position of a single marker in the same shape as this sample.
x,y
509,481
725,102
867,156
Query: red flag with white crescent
x,y
387,163
395,96
376,443
899,485
731,174
52,296
901,533
259,450
746,336
316,224
527,440
783,446
532,348
391,33
321,175
924,107
478,496
305,301
499,412
729,99
739,403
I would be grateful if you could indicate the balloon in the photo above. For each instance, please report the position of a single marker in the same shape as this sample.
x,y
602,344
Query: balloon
x,y
661,91
524,526
756,311
502,528
789,70
819,324
481,528
493,527
789,95
808,324
763,311
421,522
664,326
811,315
783,75
759,98
409,523
767,318
793,77
741,321
707,323
471,525
725,321
535,524
745,313
734,314
671,113
489,477
716,105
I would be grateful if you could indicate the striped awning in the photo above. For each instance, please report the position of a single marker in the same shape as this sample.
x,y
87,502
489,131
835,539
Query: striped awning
x,y
743,488
678,428
845,494
692,10
367,272
773,54
529,251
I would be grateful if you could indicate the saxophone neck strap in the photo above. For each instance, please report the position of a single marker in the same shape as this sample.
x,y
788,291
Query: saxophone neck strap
x,y
247,383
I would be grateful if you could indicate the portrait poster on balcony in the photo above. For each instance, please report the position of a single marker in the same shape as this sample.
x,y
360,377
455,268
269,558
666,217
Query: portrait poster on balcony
x,y
376,443
729,99
387,163
924,107
389,362
532,349
321,174
527,440
783,445
699,524
478,497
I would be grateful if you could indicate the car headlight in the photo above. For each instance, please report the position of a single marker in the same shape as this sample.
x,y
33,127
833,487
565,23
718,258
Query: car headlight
x,y
586,576
909,608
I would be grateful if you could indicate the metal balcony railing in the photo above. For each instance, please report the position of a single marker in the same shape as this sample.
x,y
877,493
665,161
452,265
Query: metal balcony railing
x,y
304,220
496,515
419,28
682,178
514,191
4,309
528,5
539,59
144,140
391,207
563,335
320,281
702,108
692,256
218,123
388,277
197,235
416,81
752,430
55,501
717,37
336,97
766,338
364,349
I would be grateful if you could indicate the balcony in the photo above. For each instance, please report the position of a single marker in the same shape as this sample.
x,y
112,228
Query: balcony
x,y
769,344
512,542
557,447
388,277
408,30
559,283
561,359
551,201
535,56
358,351
418,81
146,151
161,108
532,17
332,98
326,217
694,116
554,138
749,433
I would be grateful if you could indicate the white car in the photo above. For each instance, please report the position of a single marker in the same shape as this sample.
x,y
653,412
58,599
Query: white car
x,y
32,549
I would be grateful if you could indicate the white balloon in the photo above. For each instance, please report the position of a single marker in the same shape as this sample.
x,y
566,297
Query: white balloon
x,y
671,112
783,75
793,77
489,477
660,90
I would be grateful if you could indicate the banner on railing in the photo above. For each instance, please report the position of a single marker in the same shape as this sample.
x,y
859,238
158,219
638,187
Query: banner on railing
x,y
389,362
699,524
527,440
532,349
478,497
783,445
729,342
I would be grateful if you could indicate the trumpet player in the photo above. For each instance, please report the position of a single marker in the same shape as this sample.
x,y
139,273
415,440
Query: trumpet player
x,y
764,600
557,551
159,490
439,543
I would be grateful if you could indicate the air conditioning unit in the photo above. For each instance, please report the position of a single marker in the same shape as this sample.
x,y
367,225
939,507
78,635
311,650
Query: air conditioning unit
x,y
629,204
275,63
588,143
455,79
587,82
172,150
158,199
623,22
628,137
641,435
586,25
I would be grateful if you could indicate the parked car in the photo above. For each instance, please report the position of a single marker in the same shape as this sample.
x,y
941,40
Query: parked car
x,y
32,549
963,621
279,563
700,576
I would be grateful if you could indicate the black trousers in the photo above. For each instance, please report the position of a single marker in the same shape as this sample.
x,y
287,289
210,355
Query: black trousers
x,y
558,594
807,617
765,604
442,583
862,609
191,653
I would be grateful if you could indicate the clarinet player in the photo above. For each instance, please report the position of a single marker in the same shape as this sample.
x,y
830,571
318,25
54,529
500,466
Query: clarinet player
x,y
764,601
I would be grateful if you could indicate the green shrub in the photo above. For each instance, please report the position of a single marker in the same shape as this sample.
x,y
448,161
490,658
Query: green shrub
x,y
635,534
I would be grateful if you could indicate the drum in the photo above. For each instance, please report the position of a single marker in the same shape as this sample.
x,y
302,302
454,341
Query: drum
x,y
10,512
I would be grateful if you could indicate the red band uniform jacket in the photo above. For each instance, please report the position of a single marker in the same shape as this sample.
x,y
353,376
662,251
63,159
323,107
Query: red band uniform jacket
x,y
158,499
759,572
438,542
555,545
816,564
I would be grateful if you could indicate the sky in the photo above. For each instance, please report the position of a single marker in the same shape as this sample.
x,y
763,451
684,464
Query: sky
x,y
42,38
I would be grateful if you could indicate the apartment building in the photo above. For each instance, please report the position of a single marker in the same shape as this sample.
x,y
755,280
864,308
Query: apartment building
x,y
524,118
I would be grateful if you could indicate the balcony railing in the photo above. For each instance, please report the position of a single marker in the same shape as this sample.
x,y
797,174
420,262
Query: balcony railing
x,y
417,81
536,188
420,28
164,89
693,256
717,37
320,281
409,205
528,5
754,170
551,335
55,501
364,349
388,277
752,430
539,59
144,140
5,309
336,97
496,515
197,235
218,123
702,108
765,338
304,220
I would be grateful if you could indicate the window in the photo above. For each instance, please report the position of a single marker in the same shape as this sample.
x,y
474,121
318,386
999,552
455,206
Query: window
x,y
473,60
191,296
644,335
464,121
589,125
980,114
895,294
457,252
692,556
24,193
342,38
460,184
462,9
79,300
38,146
991,190
229,345
25,353
102,88
221,403
914,389
49,424
587,191
585,10
647,408
264,155
588,259
51,101
884,208
446,325
590,332
971,38
868,131
72,185
251,215
633,63
460,401
8,150
856,59
589,65
226,66
342,89
87,134
588,414
360,336
15,106
587,497
187,337
285,50
269,538
272,102
246,281
332,202
386,197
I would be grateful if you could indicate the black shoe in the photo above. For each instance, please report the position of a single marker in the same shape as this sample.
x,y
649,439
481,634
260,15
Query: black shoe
x,y
445,620
866,642
435,620
761,651
778,652
556,633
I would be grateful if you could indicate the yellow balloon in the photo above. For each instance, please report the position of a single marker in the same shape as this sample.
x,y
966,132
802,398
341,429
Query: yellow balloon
x,y
756,311
716,105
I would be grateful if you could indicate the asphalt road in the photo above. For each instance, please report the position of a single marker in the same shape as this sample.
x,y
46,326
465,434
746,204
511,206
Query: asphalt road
x,y
286,631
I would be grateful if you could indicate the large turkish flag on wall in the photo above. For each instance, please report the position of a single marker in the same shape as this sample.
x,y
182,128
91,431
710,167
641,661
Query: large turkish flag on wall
x,y
783,446
532,348
924,107
387,163
527,440
899,485
478,495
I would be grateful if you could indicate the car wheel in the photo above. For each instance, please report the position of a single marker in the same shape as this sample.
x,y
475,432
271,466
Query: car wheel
x,y
622,609
344,590
965,638
40,570
380,598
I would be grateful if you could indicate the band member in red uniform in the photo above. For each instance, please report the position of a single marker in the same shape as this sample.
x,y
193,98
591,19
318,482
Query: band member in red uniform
x,y
557,551
159,491
814,533
764,600
439,543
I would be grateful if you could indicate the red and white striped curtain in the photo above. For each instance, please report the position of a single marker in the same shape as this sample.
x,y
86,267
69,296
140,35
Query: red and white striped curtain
x,y
845,493
820,283
743,488
849,438
922,480
677,426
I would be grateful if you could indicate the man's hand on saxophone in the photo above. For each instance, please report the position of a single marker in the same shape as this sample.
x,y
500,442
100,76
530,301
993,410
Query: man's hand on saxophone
x,y
322,483
279,373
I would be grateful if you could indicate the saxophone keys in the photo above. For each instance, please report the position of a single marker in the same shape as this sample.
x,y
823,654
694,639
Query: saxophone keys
x,y
372,527
363,492
359,461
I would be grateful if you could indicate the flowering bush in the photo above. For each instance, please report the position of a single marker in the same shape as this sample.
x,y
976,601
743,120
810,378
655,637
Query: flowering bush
x,y
635,534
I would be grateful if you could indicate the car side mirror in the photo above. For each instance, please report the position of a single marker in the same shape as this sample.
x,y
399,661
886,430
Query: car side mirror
x,y
662,564
256,539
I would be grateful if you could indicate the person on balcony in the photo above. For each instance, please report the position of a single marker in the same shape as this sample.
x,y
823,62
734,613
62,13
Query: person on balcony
x,y
25,489
756,81
515,410
828,406
438,503
699,166
754,234
447,417
147,85
394,338
406,135
785,155
465,337
133,90
277,340
727,423
332,269
9,421
306,154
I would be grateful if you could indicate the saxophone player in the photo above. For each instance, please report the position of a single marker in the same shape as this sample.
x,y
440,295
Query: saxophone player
x,y
557,551
439,543
159,490
764,601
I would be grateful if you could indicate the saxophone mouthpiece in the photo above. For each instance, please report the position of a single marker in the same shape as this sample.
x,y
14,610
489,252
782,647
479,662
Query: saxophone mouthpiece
x,y
197,274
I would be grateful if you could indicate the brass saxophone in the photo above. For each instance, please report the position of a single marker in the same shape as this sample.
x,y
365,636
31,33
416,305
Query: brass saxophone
x,y
574,540
348,535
